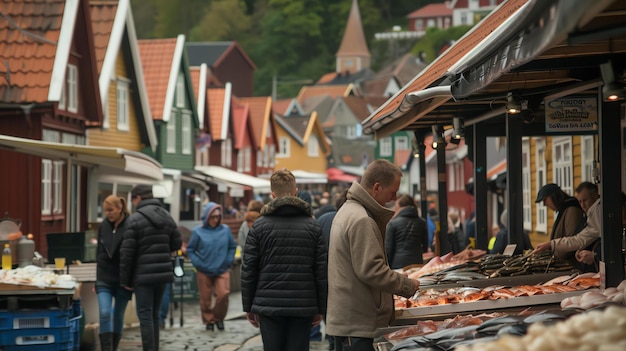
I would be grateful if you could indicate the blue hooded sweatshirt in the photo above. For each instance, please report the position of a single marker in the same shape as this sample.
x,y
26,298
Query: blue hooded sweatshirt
x,y
211,249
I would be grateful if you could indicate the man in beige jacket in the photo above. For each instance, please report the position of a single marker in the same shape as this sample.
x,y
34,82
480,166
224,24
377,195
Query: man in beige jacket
x,y
589,199
360,283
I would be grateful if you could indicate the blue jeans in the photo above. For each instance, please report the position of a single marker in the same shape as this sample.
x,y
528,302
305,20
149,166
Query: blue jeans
x,y
112,314
148,300
165,303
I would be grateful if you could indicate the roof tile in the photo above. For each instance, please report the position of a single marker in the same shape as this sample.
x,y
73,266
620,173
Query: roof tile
x,y
260,107
102,17
215,103
156,60
26,51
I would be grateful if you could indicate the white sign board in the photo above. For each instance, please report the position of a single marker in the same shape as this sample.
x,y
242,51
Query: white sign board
x,y
572,114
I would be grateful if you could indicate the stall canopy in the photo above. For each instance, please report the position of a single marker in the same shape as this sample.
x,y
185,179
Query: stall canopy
x,y
228,176
304,177
96,157
337,175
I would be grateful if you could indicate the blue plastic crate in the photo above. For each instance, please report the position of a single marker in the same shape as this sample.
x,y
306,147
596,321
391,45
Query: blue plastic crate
x,y
51,339
24,319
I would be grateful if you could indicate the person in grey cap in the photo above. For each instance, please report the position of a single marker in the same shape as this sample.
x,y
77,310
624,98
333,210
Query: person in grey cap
x,y
570,217
145,266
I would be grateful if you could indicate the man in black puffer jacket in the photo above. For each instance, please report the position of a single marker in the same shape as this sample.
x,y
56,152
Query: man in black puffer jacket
x,y
145,267
283,277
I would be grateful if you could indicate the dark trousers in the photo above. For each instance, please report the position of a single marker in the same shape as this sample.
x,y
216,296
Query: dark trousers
x,y
285,333
350,343
148,300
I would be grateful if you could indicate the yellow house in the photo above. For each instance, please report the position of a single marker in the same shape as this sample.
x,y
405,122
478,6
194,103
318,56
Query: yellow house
x,y
563,160
127,120
302,147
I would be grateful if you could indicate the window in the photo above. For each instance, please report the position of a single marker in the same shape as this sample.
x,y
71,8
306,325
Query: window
x,y
50,135
240,161
246,159
451,177
272,155
526,195
186,132
419,24
171,134
349,131
46,187
57,187
72,88
62,101
283,149
180,91
464,18
122,105
588,153
401,143
313,146
259,157
562,163
430,23
456,176
227,153
385,147
540,163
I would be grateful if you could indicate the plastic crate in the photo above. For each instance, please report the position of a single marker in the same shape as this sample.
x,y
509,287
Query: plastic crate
x,y
50,339
24,319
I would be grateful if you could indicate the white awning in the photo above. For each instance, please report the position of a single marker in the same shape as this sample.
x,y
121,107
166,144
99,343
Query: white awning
x,y
304,177
95,157
225,176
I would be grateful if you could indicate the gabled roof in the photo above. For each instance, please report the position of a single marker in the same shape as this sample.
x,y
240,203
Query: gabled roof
x,y
353,42
343,78
159,63
260,118
300,128
112,21
201,78
218,101
358,106
404,69
281,106
432,10
241,116
320,104
333,91
36,38
214,53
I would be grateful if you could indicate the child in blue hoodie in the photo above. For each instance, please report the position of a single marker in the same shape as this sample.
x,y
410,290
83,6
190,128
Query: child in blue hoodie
x,y
212,251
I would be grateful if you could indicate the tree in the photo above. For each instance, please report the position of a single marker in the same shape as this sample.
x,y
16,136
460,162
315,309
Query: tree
x,y
224,20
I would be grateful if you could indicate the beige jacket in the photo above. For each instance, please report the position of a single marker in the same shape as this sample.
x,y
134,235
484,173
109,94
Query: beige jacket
x,y
566,246
360,283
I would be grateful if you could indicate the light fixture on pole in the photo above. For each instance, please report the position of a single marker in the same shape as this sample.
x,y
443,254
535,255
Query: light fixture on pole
x,y
612,90
457,128
438,139
513,104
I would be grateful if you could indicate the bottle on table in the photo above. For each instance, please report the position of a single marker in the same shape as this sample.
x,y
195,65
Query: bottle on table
x,y
7,259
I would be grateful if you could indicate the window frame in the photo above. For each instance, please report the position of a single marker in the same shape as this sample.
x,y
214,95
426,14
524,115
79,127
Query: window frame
x,y
284,147
385,147
72,88
563,169
186,138
526,191
122,104
170,128
541,179
313,146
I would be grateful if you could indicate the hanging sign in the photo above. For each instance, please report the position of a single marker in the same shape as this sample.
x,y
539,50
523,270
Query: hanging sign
x,y
572,114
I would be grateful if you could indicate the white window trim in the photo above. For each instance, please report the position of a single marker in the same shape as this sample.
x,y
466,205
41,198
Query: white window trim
x,y
57,187
72,88
229,152
313,146
186,132
180,91
272,156
171,133
284,145
563,168
122,104
240,161
401,143
46,187
526,195
385,147
587,163
541,169
259,157
247,157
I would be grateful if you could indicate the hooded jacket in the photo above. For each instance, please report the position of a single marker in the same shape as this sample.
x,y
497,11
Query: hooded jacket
x,y
360,282
565,247
406,238
284,268
211,250
150,238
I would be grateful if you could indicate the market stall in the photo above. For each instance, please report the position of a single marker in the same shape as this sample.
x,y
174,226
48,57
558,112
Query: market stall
x,y
39,309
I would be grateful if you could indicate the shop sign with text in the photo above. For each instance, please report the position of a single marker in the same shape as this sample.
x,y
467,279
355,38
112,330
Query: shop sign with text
x,y
572,114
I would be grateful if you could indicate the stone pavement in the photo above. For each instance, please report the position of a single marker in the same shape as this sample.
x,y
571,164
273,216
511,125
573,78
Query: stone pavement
x,y
238,335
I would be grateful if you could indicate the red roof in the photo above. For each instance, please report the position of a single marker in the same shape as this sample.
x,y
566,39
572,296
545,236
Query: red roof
x,y
240,112
215,103
29,33
156,60
432,10
260,112
102,17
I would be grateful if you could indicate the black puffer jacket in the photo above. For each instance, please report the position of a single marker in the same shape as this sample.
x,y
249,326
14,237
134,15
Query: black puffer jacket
x,y
284,269
406,238
149,240
108,253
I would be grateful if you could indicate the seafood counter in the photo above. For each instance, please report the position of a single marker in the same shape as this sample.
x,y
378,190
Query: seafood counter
x,y
590,320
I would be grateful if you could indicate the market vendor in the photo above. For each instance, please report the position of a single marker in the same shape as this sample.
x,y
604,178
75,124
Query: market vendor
x,y
565,247
570,218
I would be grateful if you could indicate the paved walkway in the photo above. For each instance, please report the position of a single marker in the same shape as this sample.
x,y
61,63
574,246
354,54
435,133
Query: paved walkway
x,y
238,335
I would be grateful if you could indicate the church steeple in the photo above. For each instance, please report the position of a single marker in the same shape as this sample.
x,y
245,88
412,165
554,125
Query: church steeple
x,y
353,54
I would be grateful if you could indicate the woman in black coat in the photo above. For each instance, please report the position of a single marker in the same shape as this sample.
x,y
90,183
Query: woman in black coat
x,y
407,236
